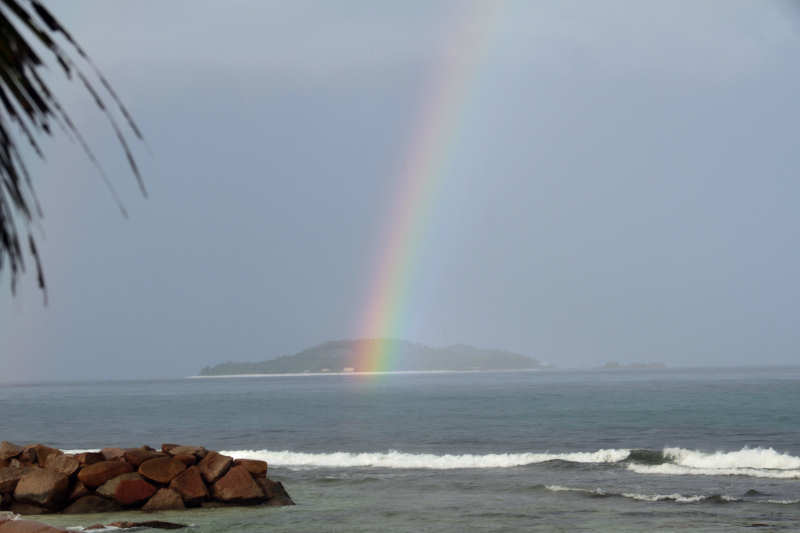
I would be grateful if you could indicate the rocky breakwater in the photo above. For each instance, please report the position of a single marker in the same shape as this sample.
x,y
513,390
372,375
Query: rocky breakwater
x,y
37,479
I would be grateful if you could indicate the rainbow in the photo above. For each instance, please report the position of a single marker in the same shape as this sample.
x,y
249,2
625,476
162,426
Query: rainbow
x,y
421,173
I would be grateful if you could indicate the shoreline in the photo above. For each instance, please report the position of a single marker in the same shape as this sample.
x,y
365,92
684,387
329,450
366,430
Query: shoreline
x,y
365,373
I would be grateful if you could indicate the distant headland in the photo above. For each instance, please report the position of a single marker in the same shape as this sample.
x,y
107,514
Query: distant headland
x,y
345,356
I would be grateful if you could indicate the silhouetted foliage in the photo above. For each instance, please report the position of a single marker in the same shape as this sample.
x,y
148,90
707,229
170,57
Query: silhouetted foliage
x,y
31,110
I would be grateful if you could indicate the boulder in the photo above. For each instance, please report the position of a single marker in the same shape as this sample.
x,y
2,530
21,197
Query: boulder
x,y
40,453
186,459
137,456
28,526
78,491
197,451
28,508
164,500
66,464
237,486
166,447
42,487
89,458
149,524
111,454
10,476
91,504
4,463
274,492
127,489
96,474
255,467
214,465
9,450
161,469
189,484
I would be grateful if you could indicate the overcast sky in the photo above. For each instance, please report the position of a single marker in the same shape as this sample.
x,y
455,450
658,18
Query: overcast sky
x,y
621,183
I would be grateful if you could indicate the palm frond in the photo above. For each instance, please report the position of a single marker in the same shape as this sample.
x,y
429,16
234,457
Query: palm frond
x,y
28,108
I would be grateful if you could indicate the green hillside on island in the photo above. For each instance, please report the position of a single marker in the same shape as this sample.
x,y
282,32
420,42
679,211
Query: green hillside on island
x,y
341,356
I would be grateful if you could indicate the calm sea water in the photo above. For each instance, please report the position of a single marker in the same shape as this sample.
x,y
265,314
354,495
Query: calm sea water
x,y
703,450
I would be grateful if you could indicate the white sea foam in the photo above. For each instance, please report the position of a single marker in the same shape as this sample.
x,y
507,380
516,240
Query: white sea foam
x,y
784,502
677,498
680,470
759,458
395,459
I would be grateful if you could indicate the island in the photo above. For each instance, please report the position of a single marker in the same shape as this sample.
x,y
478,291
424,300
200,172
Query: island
x,y
369,355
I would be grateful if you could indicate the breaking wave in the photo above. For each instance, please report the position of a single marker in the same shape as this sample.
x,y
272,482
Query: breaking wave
x,y
395,459
754,462
676,498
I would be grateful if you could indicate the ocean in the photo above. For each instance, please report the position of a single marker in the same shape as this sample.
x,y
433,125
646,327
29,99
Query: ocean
x,y
625,450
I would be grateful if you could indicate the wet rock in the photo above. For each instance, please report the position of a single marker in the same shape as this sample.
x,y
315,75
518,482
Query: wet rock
x,y
127,489
9,450
42,487
164,500
152,524
274,492
40,453
10,476
27,509
161,469
78,490
96,474
214,465
137,456
112,454
92,503
237,486
197,451
186,459
255,467
28,526
189,484
89,458
66,464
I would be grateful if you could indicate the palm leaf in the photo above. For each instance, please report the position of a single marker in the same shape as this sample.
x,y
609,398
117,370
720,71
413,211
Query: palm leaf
x,y
28,108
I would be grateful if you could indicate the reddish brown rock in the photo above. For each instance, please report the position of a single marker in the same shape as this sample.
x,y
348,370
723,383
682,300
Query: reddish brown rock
x,y
164,500
10,476
274,492
162,469
127,489
111,454
189,484
9,450
92,504
166,447
42,487
66,464
255,467
237,486
149,524
186,459
197,451
137,456
78,491
4,463
39,453
95,475
214,465
28,526
27,508
89,458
